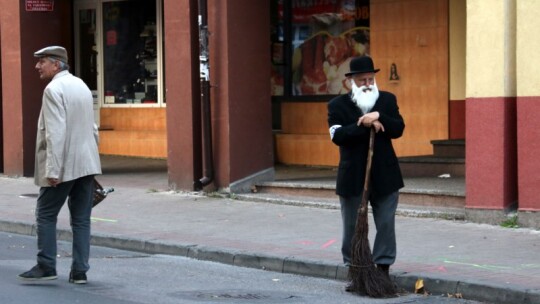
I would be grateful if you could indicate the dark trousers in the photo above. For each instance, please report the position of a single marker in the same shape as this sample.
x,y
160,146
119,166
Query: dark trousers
x,y
384,211
79,193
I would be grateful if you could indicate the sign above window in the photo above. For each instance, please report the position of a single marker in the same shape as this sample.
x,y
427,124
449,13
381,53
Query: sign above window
x,y
39,5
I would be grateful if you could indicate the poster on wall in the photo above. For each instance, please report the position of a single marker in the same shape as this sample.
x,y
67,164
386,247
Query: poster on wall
x,y
39,5
321,61
326,35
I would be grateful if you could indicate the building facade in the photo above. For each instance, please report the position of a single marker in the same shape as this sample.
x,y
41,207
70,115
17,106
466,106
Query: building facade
x,y
461,69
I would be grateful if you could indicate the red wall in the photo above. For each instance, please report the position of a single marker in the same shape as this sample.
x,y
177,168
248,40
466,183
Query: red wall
x,y
528,144
491,160
1,126
11,84
23,33
56,28
240,73
457,125
240,91
182,94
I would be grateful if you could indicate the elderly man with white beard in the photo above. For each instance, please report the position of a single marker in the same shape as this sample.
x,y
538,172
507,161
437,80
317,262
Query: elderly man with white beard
x,y
350,118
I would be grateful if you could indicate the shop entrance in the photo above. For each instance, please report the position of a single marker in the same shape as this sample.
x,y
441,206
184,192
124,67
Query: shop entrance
x,y
313,43
118,54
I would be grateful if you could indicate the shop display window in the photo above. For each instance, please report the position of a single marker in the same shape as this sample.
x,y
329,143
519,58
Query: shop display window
x,y
130,52
87,60
313,43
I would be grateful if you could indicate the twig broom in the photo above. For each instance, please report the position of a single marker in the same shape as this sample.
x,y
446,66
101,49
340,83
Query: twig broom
x,y
365,277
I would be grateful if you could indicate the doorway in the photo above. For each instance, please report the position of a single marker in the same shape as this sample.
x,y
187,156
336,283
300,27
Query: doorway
x,y
118,54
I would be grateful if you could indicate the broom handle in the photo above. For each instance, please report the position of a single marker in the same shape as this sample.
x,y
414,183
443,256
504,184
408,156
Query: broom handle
x,y
365,194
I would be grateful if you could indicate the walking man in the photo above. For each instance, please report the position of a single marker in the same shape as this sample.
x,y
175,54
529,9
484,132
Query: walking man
x,y
350,118
67,159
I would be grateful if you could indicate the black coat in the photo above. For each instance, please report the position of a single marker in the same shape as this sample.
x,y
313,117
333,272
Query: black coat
x,y
353,142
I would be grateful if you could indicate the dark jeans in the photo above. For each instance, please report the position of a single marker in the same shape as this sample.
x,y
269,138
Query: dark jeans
x,y
384,211
79,193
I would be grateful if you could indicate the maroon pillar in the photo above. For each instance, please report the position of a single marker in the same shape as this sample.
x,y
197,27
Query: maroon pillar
x,y
182,93
1,126
12,118
491,175
241,100
528,148
22,88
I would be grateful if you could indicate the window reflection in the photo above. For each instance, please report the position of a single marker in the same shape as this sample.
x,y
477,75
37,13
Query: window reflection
x,y
325,36
130,52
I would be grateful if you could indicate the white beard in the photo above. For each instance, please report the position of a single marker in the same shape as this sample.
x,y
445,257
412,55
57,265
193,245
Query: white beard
x,y
365,96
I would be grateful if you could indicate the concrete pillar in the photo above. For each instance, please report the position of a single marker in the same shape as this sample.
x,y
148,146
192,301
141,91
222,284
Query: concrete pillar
x,y
528,111
491,166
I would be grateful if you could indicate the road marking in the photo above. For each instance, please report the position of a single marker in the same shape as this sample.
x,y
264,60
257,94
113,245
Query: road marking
x,y
328,244
483,266
97,219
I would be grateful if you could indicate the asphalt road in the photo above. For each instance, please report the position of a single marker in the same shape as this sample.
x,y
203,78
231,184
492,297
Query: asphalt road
x,y
129,277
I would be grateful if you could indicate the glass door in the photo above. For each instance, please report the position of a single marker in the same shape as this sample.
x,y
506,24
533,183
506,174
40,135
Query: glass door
x,y
86,49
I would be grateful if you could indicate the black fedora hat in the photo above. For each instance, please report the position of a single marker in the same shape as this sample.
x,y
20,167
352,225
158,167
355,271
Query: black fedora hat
x,y
362,64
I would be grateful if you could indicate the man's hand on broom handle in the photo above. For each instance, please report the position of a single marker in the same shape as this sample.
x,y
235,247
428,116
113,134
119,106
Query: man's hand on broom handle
x,y
371,120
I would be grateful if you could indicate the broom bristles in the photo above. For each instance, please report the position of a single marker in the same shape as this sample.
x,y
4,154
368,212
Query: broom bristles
x,y
365,277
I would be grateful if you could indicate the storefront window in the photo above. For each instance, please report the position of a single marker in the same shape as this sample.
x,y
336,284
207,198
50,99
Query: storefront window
x,y
88,48
130,52
323,37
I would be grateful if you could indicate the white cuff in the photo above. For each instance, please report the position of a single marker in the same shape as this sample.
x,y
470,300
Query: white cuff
x,y
333,130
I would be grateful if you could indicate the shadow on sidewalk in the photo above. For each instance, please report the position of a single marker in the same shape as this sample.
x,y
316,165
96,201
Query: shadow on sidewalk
x,y
134,172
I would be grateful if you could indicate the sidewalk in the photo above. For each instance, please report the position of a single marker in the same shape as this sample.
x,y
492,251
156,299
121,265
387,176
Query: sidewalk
x,y
482,262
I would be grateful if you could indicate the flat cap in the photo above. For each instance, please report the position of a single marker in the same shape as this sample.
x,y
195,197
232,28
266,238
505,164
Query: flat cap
x,y
56,52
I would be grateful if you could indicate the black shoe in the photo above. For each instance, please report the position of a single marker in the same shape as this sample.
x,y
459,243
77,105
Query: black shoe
x,y
38,273
77,277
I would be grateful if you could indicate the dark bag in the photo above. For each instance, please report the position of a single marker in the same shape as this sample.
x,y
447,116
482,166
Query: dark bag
x,y
100,193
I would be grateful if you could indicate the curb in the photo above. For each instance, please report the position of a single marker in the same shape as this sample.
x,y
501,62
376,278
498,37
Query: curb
x,y
453,214
292,265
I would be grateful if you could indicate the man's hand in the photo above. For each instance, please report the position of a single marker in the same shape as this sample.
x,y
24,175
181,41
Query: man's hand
x,y
378,126
368,119
53,181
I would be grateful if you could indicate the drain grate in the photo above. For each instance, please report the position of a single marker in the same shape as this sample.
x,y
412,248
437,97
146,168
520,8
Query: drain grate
x,y
236,296
239,296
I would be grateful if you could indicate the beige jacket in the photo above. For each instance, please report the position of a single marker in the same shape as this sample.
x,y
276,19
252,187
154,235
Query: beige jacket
x,y
67,137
